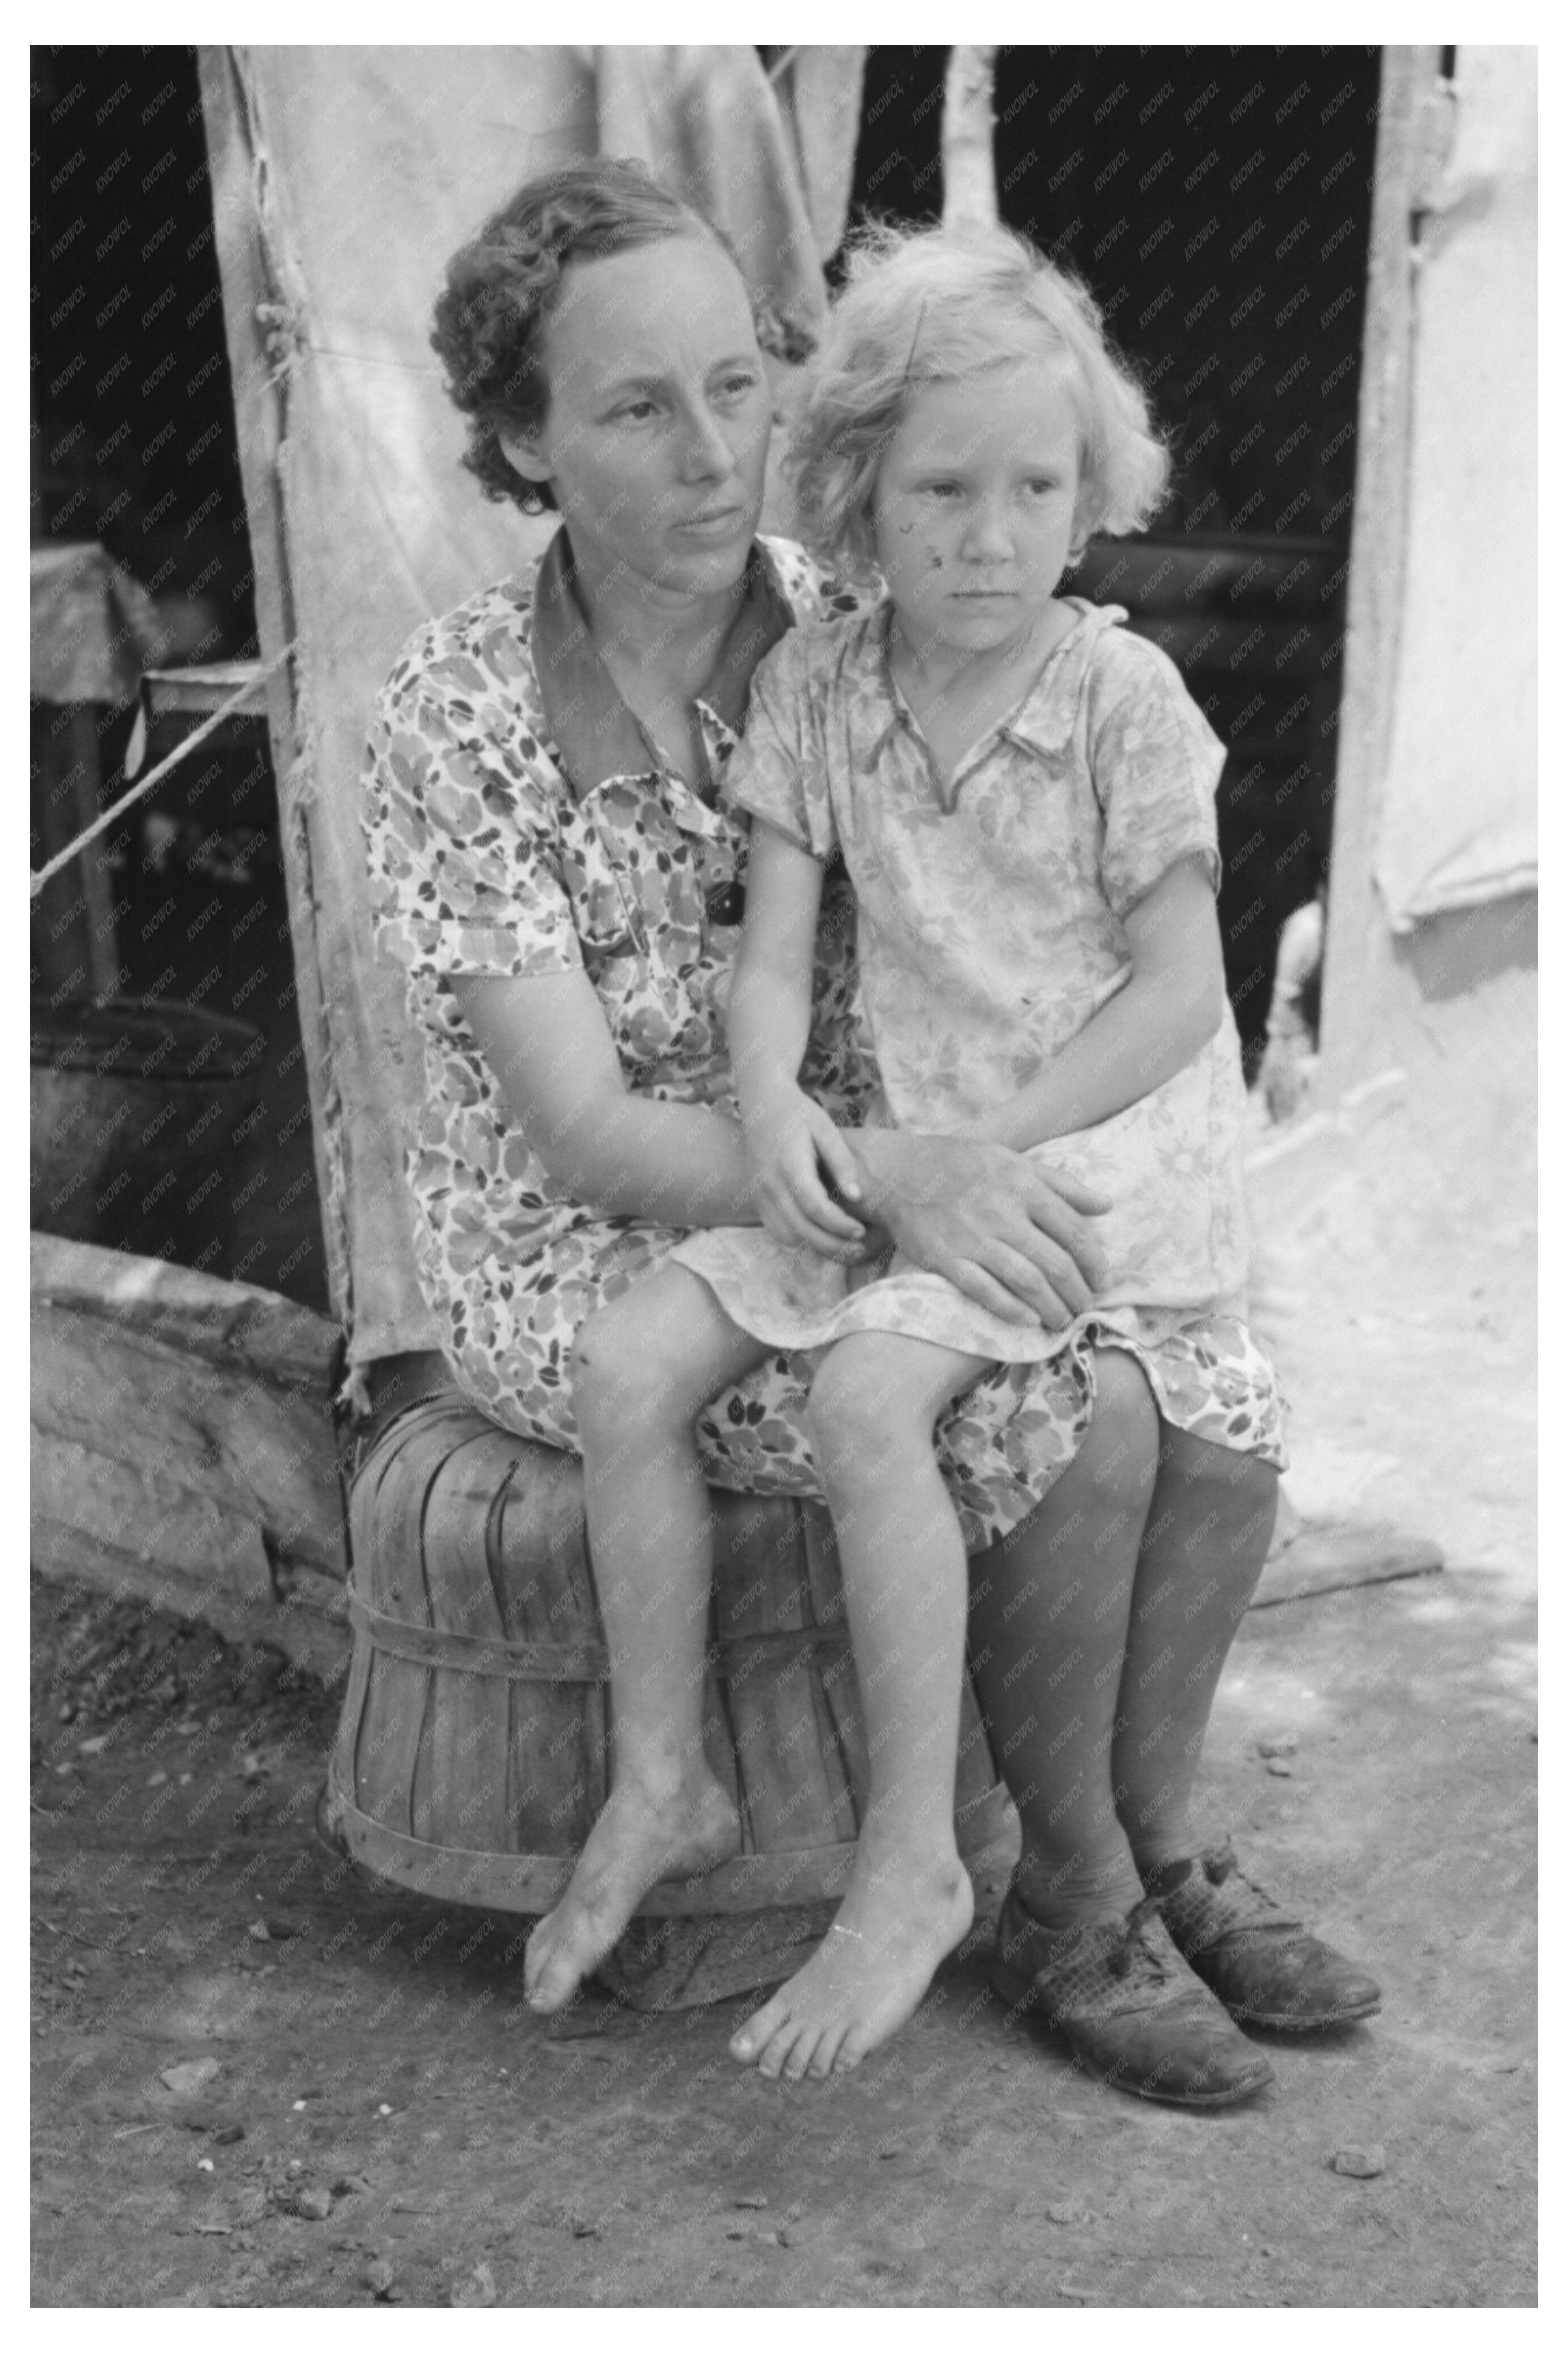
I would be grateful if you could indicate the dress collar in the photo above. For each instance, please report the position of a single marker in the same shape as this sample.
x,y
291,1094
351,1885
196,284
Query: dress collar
x,y
585,715
1047,713
1044,717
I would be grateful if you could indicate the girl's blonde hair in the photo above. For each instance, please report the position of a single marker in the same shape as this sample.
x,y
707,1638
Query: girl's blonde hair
x,y
927,306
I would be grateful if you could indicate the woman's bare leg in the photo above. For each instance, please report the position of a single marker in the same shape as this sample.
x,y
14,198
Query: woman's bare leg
x,y
1054,1597
642,1369
1208,1531
1201,1518
874,1404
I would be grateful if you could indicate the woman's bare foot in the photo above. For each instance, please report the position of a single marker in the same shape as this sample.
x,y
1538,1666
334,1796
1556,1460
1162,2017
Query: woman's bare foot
x,y
899,1918
643,1835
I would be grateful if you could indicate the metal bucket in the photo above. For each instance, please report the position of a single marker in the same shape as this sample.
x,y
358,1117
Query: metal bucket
x,y
138,1111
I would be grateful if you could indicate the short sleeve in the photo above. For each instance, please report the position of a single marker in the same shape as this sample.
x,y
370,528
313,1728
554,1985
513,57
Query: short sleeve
x,y
779,769
464,852
1157,764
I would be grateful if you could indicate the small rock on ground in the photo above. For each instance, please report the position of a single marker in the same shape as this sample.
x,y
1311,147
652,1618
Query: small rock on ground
x,y
187,2075
476,2288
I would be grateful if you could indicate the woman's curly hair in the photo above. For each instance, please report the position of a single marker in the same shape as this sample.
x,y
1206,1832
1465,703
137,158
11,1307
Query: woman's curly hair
x,y
501,288
931,306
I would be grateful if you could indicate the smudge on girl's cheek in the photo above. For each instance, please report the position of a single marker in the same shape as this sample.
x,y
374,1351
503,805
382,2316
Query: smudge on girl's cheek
x,y
935,560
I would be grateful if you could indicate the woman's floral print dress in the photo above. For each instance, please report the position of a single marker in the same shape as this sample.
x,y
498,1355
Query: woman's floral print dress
x,y
518,823
991,930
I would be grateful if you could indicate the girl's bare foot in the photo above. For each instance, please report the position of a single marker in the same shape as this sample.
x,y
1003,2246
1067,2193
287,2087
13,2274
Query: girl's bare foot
x,y
643,1835
902,1915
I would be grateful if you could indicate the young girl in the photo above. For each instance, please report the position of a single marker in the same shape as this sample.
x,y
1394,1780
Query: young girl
x,y
1023,795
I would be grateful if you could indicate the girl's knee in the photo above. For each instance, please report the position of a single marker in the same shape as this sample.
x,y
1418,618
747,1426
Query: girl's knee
x,y
863,1406
846,1414
832,1418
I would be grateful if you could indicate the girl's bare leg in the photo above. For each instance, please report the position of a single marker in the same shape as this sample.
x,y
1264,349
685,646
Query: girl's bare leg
x,y
1208,1531
874,1404
642,1370
1056,1596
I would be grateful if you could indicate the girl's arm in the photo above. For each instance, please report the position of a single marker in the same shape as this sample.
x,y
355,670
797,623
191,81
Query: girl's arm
x,y
1170,1008
549,1046
769,1021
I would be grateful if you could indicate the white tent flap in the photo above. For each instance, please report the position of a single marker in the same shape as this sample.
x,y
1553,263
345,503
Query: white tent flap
x,y
1459,819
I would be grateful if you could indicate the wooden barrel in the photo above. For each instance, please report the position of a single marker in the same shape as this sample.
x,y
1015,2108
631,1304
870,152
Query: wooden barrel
x,y
137,1110
472,1756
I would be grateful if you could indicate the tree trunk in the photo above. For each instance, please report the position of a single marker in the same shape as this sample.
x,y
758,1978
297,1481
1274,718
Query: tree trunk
x,y
968,163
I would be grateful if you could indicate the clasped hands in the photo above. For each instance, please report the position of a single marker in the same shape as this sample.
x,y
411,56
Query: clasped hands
x,y
1011,1236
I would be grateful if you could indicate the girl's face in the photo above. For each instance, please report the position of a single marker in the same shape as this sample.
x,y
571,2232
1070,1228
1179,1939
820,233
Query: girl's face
x,y
973,508
656,440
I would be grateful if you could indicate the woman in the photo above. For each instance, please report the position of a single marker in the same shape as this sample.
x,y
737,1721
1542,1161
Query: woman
x,y
553,870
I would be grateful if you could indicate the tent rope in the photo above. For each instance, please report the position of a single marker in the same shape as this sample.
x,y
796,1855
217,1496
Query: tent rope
x,y
39,876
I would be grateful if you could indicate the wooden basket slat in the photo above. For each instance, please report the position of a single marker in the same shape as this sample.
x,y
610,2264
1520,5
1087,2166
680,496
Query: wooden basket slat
x,y
386,1516
431,1801
543,1551
798,1792
557,1769
755,1562
470,1714
750,1605
837,1694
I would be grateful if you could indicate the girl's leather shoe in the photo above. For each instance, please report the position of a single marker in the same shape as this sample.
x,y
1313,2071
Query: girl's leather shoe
x,y
1266,1968
1119,1995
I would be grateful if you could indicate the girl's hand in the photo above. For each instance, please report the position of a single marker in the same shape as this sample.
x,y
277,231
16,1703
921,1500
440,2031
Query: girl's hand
x,y
790,1141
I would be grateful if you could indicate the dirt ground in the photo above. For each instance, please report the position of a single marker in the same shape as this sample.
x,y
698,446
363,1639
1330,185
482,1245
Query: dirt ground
x,y
364,2110
372,2049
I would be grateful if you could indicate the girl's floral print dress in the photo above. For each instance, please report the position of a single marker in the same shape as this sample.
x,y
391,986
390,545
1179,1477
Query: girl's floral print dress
x,y
518,822
990,928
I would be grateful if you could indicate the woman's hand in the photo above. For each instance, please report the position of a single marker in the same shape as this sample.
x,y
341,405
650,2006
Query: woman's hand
x,y
790,1140
1012,1237
549,1046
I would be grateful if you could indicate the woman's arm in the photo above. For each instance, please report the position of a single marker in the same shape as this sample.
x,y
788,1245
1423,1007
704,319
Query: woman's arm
x,y
548,1044
1170,1008
769,1021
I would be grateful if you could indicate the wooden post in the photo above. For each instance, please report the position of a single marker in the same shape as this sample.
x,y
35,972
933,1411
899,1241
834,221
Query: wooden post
x,y
968,123
1357,950
259,377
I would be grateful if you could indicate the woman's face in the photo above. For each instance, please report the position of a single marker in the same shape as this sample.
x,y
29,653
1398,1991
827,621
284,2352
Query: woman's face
x,y
656,435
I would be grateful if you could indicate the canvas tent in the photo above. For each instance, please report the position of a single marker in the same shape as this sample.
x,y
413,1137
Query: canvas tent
x,y
1432,887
